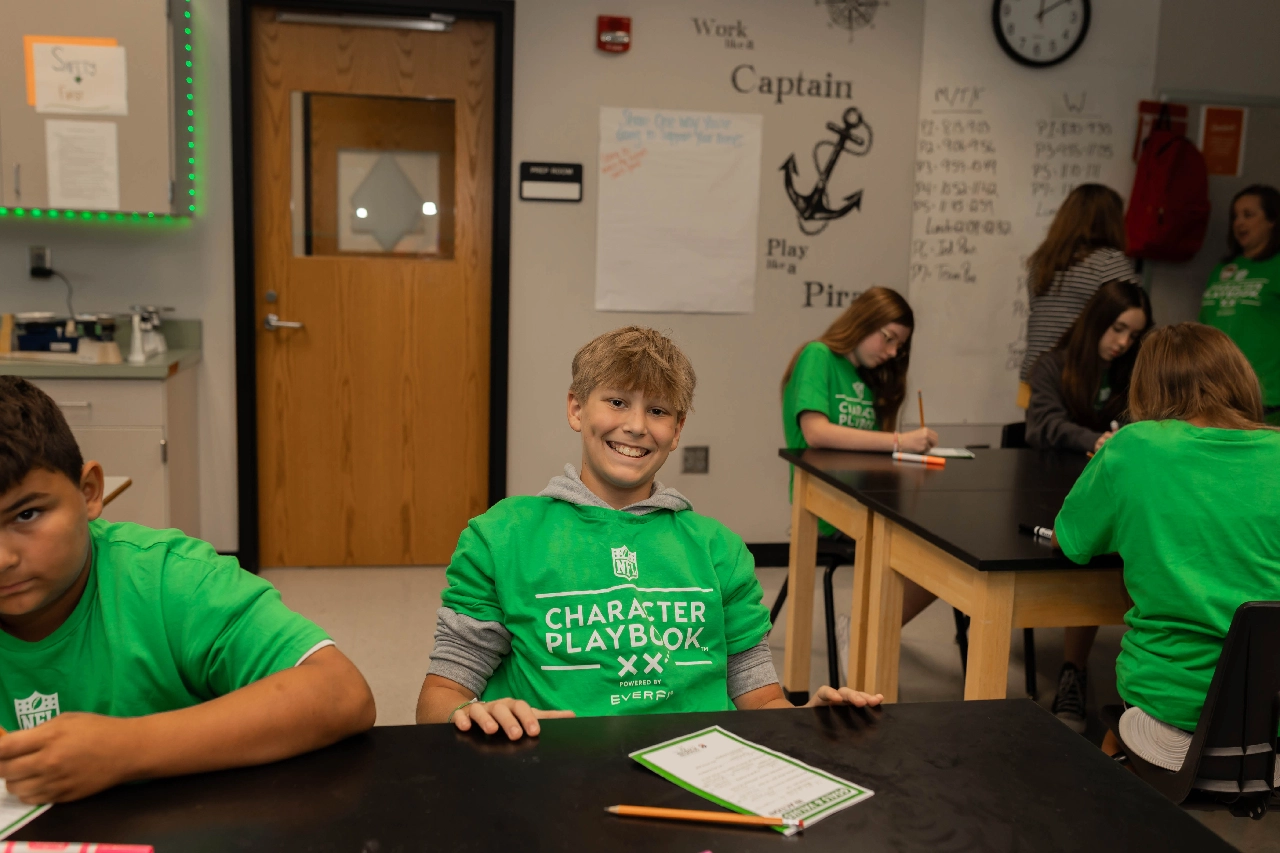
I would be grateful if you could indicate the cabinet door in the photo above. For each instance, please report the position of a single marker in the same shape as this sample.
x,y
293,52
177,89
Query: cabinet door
x,y
137,453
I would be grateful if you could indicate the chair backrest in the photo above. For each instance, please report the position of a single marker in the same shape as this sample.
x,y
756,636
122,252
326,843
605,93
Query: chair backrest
x,y
1233,749
1014,435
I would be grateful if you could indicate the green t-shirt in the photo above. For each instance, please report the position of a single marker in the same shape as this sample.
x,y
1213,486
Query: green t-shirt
x,y
826,382
609,612
1195,514
1243,300
164,623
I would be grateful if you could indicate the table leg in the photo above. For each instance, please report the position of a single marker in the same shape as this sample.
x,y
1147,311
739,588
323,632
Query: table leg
x,y
858,612
989,630
884,615
801,568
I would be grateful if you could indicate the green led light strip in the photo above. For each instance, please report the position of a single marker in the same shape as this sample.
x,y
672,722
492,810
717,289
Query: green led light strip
x,y
48,213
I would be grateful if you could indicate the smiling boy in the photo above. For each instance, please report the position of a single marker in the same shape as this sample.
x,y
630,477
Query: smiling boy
x,y
605,593
129,653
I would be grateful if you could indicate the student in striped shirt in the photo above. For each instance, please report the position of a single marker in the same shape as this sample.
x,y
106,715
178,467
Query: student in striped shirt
x,y
1083,249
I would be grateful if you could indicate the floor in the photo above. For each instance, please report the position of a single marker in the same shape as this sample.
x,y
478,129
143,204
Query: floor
x,y
384,620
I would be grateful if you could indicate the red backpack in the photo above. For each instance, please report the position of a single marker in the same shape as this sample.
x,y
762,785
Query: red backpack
x,y
1169,206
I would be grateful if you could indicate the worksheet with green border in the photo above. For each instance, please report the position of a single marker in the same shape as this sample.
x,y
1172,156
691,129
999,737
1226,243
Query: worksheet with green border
x,y
845,793
15,814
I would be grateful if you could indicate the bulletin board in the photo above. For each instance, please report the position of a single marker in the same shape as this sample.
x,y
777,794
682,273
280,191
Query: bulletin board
x,y
98,108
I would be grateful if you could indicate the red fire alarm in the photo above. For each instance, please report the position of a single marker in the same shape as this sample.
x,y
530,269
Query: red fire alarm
x,y
613,34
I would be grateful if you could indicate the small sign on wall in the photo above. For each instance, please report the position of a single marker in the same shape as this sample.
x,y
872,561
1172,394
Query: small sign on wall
x,y
551,182
1222,139
78,79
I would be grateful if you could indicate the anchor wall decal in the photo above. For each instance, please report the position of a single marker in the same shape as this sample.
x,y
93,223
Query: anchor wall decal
x,y
813,210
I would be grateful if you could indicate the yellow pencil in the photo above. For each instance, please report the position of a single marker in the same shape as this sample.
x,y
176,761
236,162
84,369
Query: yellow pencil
x,y
920,399
704,817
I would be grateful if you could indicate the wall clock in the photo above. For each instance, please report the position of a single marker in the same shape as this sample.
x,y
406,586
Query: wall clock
x,y
1040,33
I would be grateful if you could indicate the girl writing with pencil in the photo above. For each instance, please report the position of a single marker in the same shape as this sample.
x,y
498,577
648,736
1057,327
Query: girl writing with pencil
x,y
1079,392
1189,496
843,391
1083,249
1081,386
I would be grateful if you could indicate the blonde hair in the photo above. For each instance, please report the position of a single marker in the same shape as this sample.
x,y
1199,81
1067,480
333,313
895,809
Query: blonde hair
x,y
635,358
869,313
1090,218
1187,371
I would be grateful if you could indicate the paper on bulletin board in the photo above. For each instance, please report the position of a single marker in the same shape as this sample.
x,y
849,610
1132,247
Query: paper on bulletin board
x,y
1222,131
83,164
28,54
677,211
79,79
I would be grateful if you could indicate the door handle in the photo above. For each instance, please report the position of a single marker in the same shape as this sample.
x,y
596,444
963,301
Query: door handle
x,y
273,322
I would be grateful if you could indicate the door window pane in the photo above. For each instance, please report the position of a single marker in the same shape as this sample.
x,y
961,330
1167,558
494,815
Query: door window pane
x,y
372,175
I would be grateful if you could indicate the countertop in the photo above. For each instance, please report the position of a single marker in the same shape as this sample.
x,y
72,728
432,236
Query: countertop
x,y
182,336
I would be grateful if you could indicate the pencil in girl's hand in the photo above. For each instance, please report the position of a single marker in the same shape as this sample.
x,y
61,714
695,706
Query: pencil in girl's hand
x,y
704,817
920,400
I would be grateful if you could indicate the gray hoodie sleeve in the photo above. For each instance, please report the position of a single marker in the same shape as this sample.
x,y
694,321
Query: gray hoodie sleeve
x,y
751,669
1049,426
467,650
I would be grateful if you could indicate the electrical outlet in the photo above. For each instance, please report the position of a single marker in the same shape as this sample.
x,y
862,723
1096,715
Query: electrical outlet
x,y
697,460
41,261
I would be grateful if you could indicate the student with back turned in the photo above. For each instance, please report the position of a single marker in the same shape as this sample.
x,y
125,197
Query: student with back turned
x,y
843,392
605,593
1189,496
129,653
1079,389
1083,249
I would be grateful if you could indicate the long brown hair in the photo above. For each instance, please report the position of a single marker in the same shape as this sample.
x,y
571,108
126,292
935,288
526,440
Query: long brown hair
x,y
874,309
1090,218
1082,366
1190,371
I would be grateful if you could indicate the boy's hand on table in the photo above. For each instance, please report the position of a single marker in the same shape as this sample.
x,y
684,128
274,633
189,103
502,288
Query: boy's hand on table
x,y
514,716
844,696
71,756
1102,439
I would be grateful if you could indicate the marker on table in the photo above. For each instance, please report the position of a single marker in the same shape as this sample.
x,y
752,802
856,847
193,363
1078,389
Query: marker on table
x,y
72,847
1036,530
931,461
704,817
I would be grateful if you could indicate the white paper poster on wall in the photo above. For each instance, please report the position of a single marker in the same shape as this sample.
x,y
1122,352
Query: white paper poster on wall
x,y
80,79
998,148
82,164
677,211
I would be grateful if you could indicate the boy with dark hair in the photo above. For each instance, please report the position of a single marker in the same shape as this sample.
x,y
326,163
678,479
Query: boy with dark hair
x,y
606,593
129,653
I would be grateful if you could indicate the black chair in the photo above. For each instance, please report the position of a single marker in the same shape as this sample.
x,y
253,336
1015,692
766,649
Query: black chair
x,y
1232,757
833,552
1011,435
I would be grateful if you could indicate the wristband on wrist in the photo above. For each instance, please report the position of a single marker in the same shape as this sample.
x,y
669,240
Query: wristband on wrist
x,y
471,701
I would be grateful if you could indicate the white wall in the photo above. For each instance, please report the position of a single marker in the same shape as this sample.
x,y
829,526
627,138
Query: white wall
x,y
1220,46
191,268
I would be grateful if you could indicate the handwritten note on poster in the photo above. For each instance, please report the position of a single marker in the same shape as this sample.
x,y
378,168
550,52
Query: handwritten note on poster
x,y
80,79
677,211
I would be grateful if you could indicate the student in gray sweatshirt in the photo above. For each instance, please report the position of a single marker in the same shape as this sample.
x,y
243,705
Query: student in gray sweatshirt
x,y
1079,396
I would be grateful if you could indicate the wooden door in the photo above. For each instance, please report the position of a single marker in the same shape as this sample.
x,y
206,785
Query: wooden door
x,y
373,422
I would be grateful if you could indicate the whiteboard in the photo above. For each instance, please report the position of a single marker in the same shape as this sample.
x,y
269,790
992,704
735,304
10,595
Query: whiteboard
x,y
998,147
677,211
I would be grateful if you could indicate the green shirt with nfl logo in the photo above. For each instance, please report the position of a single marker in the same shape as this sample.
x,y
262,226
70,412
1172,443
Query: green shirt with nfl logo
x,y
164,623
827,382
1243,300
609,612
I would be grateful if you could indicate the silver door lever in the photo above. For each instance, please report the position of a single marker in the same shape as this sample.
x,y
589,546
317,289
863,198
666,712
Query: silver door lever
x,y
273,322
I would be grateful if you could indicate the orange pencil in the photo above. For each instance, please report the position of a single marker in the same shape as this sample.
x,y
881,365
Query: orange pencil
x,y
920,400
704,817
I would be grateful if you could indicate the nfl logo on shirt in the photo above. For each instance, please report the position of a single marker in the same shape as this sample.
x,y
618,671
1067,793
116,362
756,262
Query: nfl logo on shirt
x,y
36,709
624,563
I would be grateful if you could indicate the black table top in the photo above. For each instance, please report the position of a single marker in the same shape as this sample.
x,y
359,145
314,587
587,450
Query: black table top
x,y
995,775
971,509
